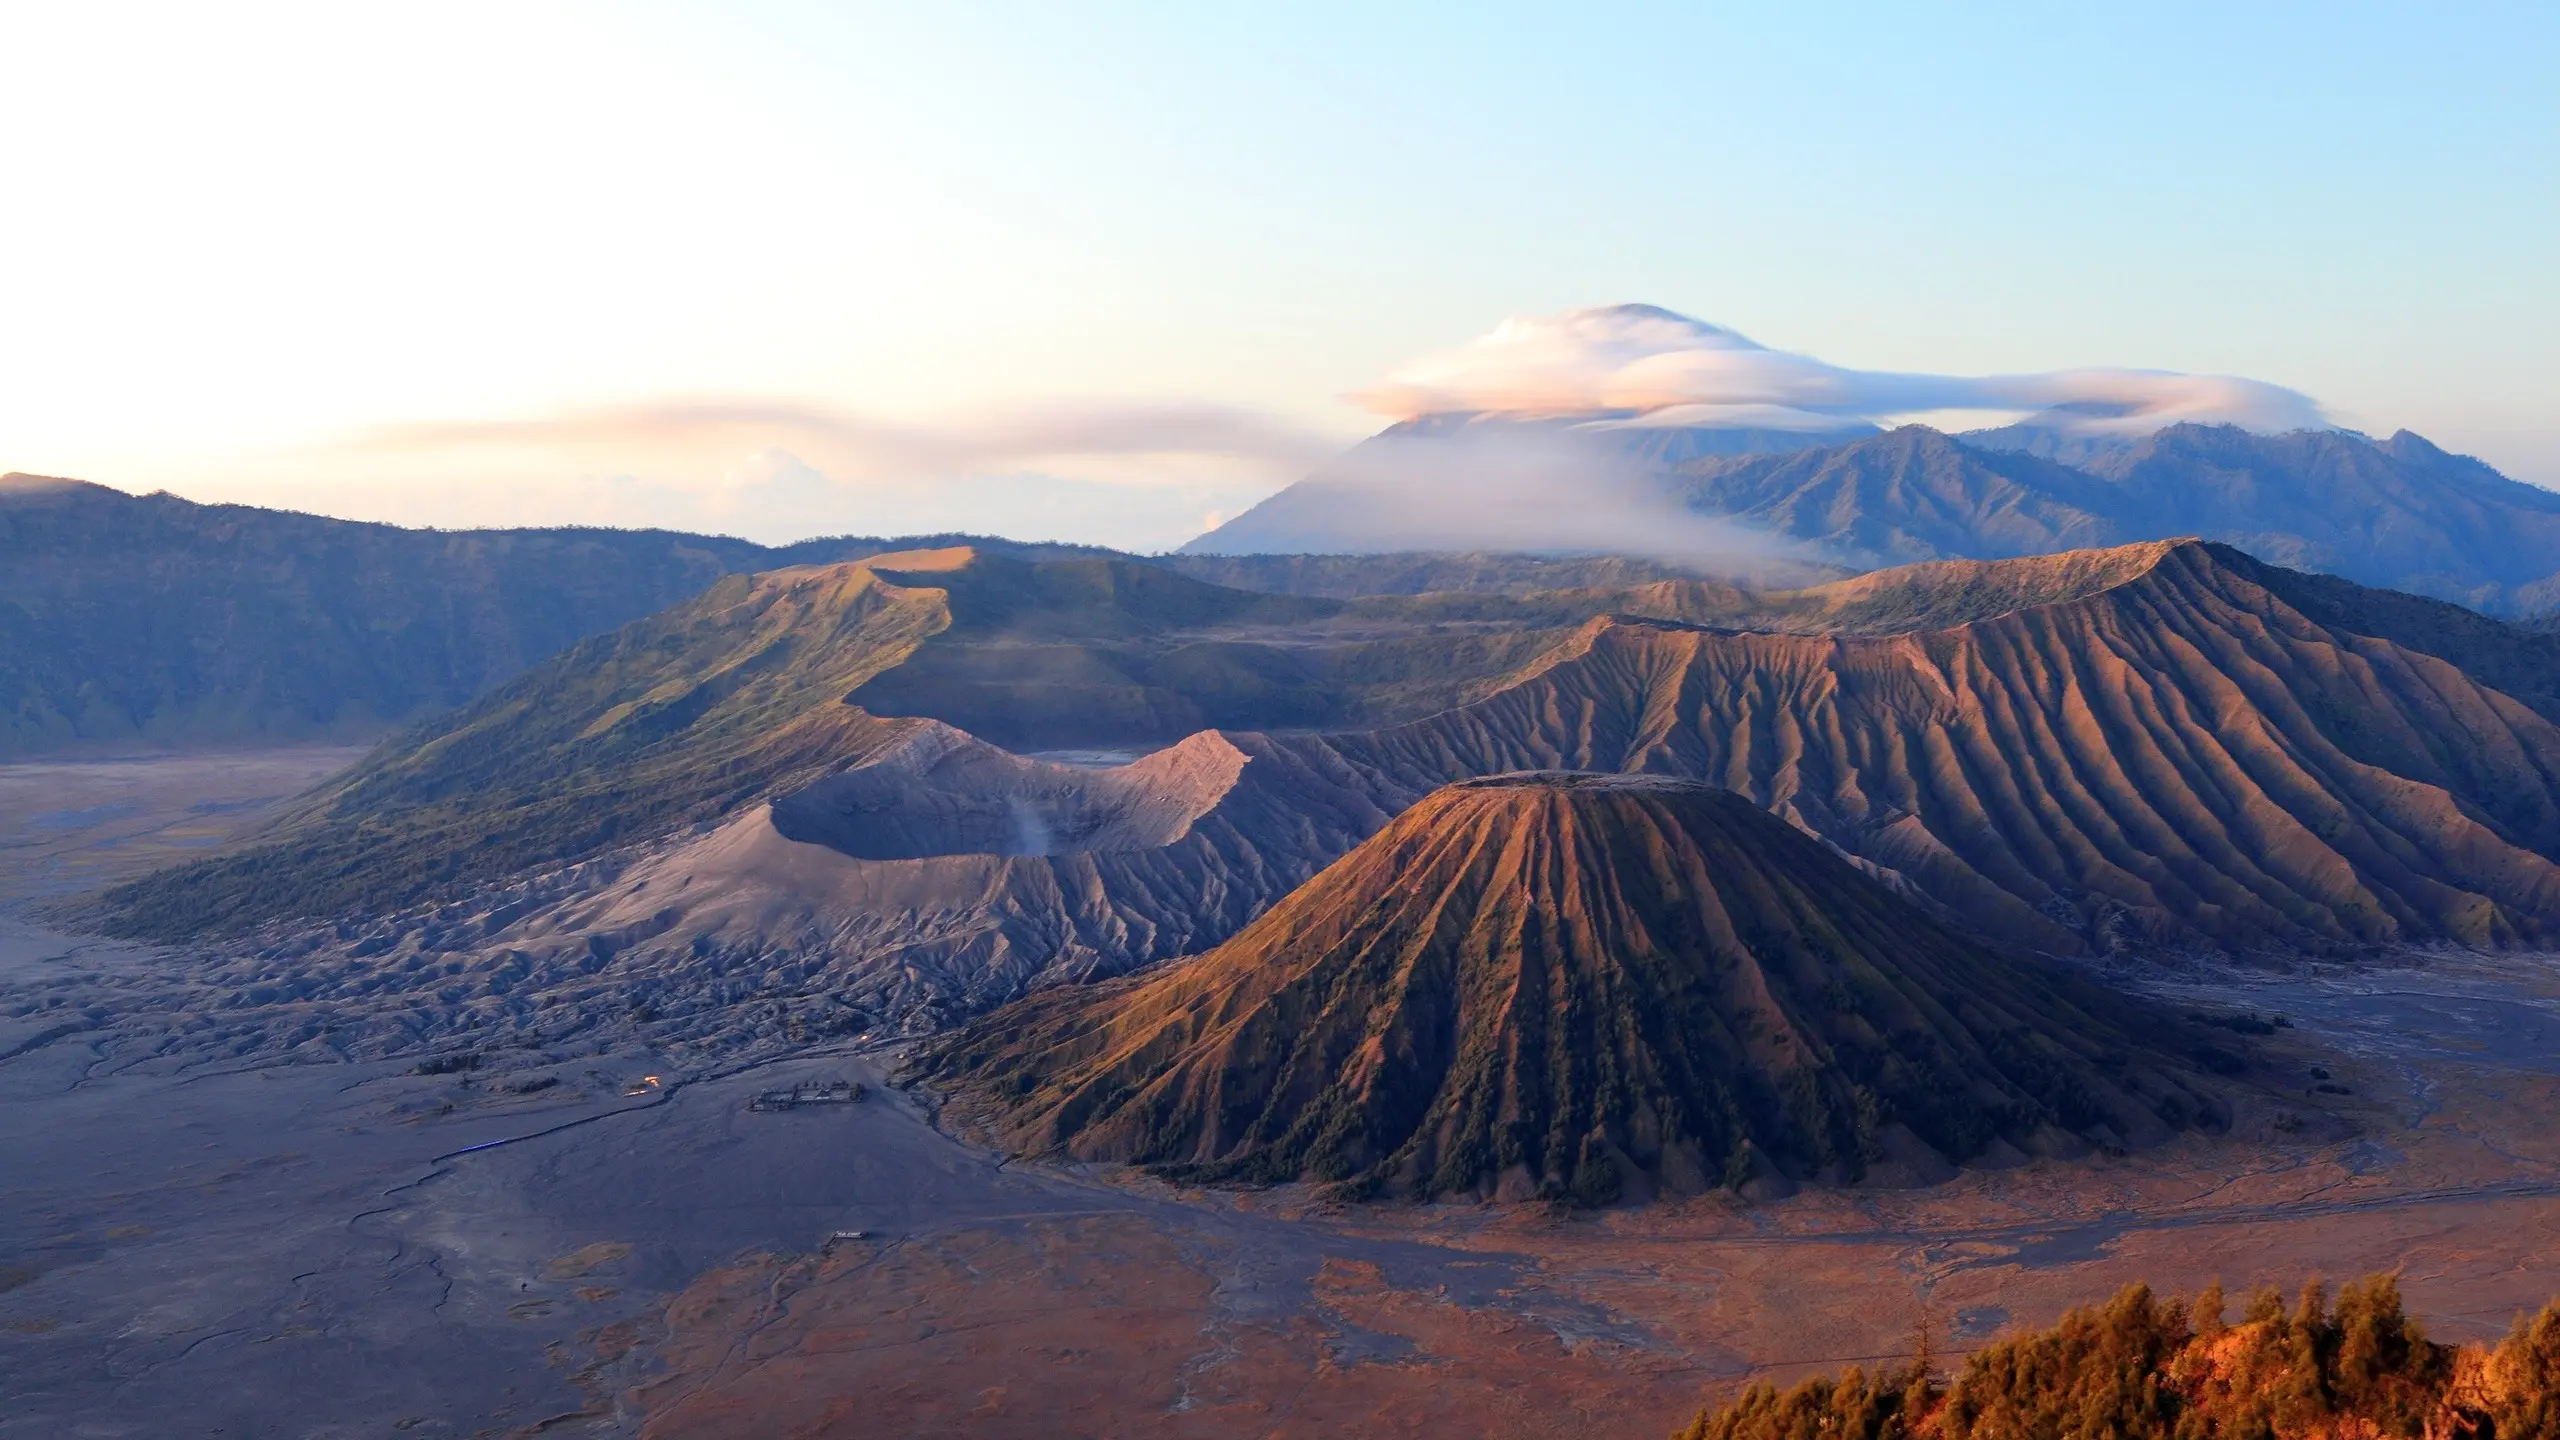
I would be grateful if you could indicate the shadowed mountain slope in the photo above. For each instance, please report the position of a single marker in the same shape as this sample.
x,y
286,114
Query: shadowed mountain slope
x,y
766,683
1912,494
2521,659
1462,482
758,689
668,722
148,620
130,621
1070,653
1799,501
2164,752
2150,747
151,619
2400,513
1576,985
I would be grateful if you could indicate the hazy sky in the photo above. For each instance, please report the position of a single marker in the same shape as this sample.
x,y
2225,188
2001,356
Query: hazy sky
x,y
1096,271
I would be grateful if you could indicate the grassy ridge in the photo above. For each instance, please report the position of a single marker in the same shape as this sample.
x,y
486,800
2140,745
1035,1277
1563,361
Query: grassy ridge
x,y
676,719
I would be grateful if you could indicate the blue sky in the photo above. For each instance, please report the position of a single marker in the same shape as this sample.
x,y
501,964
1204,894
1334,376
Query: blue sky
x,y
267,252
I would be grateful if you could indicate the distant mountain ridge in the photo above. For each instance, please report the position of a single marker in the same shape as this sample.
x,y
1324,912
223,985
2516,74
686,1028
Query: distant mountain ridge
x,y
150,620
1911,495
1575,484
2400,513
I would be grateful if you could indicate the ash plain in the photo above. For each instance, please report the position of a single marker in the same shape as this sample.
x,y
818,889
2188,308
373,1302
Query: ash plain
x,y
325,1242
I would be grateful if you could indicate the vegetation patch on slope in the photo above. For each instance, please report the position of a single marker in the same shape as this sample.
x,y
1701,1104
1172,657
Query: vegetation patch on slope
x,y
674,720
2143,1368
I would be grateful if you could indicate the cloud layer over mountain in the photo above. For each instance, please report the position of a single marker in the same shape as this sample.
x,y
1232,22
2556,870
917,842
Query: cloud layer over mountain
x,y
1643,365
1136,474
1150,474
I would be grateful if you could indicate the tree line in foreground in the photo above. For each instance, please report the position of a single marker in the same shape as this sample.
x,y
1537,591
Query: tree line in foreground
x,y
2140,1367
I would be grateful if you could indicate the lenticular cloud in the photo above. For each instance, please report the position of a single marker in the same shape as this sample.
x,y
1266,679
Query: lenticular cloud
x,y
1640,364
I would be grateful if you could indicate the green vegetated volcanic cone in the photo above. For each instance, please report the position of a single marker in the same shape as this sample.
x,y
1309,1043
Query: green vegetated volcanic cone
x,y
1586,987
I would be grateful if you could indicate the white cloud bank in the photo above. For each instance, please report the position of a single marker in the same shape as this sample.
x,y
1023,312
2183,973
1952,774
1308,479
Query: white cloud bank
x,y
1645,365
1149,475
1141,476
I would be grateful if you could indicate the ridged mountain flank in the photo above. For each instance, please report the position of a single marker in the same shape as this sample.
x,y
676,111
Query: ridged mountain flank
x,y
1578,986
768,683
2167,746
2156,747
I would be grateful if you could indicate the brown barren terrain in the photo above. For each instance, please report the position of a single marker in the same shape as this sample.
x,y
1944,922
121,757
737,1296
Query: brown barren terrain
x,y
202,1239
1514,1321
1564,985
